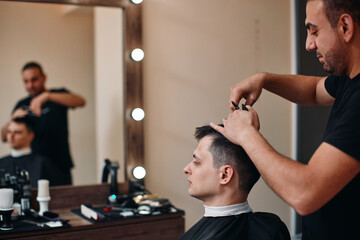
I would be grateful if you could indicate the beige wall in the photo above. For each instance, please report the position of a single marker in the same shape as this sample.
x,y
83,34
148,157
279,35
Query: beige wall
x,y
194,52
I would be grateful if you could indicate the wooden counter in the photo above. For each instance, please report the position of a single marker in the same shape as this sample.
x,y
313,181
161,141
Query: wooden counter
x,y
166,227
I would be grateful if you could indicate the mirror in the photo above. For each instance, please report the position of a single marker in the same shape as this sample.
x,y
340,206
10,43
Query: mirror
x,y
72,43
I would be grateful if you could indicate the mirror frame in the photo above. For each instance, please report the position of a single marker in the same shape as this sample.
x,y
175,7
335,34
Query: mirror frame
x,y
133,97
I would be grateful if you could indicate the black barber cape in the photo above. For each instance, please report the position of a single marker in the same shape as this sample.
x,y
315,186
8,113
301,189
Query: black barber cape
x,y
39,167
246,226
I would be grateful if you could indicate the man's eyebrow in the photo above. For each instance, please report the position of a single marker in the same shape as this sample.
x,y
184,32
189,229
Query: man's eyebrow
x,y
310,25
195,156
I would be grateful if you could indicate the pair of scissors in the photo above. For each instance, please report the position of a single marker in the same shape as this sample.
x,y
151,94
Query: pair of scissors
x,y
27,108
237,107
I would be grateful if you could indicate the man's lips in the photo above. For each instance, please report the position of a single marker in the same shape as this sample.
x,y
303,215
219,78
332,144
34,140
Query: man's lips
x,y
189,182
319,56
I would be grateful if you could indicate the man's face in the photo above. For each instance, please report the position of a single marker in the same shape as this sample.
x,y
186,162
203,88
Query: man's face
x,y
18,136
34,81
324,39
203,177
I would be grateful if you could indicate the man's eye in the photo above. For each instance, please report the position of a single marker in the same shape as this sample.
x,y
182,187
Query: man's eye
x,y
196,163
314,33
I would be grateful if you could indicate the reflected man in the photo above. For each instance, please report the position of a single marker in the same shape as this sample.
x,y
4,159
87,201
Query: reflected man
x,y
49,108
19,135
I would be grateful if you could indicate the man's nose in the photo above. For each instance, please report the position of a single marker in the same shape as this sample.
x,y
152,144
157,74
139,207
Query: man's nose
x,y
10,136
310,44
187,169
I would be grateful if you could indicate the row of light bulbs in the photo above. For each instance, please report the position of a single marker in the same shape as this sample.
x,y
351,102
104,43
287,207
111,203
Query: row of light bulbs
x,y
137,55
138,114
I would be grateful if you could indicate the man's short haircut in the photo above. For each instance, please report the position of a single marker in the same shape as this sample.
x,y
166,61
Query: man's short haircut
x,y
225,152
334,9
27,121
30,65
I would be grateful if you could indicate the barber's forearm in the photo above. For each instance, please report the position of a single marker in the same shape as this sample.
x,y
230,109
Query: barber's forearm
x,y
66,99
295,88
286,177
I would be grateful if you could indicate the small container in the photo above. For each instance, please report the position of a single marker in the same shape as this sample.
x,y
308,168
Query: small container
x,y
25,205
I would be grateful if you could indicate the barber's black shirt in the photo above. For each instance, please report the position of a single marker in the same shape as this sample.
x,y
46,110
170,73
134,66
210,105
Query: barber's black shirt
x,y
51,132
340,217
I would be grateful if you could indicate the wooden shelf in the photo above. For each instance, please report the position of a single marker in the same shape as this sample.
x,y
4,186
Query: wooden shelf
x,y
167,226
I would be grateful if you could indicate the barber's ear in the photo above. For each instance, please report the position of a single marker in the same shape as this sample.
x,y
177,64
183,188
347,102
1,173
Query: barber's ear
x,y
346,27
227,172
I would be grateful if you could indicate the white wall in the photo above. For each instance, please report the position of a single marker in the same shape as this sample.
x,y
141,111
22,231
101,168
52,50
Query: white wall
x,y
194,52
63,44
109,88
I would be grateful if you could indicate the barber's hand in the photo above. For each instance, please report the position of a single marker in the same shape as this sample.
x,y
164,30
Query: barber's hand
x,y
249,89
37,102
19,113
238,125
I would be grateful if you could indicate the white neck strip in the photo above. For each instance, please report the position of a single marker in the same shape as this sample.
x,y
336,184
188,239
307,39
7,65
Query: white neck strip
x,y
230,210
19,153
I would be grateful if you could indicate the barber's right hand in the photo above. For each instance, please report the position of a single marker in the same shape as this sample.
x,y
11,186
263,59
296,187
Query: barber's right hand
x,y
249,89
239,125
37,103
19,113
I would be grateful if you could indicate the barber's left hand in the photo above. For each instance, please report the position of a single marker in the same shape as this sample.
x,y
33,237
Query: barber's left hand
x,y
238,125
37,102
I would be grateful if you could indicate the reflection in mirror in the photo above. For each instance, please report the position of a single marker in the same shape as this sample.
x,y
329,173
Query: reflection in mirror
x,y
73,45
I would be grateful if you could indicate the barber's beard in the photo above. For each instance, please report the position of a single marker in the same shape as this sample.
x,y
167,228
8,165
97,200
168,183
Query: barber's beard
x,y
335,62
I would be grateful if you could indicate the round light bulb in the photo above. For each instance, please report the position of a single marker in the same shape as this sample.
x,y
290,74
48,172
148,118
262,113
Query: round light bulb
x,y
138,114
137,54
136,1
139,172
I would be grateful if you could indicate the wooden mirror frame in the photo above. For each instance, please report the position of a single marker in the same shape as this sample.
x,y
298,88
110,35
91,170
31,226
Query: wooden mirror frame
x,y
133,97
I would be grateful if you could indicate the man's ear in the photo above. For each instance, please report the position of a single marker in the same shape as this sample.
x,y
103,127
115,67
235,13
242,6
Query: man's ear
x,y
31,136
227,173
346,27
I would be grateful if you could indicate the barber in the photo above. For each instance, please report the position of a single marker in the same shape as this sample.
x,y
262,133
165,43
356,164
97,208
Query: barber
x,y
49,107
326,191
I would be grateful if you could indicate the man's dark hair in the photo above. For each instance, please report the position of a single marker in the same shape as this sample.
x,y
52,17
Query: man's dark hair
x,y
225,152
27,121
30,65
334,9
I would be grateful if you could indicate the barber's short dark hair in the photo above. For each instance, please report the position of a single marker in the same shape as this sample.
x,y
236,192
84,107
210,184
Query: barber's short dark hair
x,y
225,152
32,64
27,121
334,9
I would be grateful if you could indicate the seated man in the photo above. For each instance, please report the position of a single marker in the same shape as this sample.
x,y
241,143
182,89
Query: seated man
x,y
222,175
19,135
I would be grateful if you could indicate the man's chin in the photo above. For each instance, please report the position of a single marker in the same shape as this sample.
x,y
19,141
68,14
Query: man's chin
x,y
33,93
191,193
327,69
194,195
